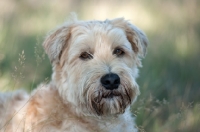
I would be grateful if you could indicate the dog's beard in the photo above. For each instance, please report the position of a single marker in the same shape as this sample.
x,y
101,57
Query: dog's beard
x,y
109,102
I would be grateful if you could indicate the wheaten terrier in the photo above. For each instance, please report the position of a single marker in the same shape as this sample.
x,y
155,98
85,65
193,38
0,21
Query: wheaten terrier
x,y
93,82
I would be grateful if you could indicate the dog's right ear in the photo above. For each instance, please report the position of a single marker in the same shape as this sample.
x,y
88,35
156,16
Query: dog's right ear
x,y
55,42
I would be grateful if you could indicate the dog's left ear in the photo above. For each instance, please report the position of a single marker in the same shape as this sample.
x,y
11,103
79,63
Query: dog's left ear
x,y
55,41
135,36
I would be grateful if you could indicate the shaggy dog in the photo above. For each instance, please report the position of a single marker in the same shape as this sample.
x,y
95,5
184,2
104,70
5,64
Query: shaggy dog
x,y
95,66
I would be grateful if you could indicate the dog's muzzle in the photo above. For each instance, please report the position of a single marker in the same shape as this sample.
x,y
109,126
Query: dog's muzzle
x,y
111,96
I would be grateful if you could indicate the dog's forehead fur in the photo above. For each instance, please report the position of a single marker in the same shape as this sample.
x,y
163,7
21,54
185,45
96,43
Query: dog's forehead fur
x,y
94,35
99,39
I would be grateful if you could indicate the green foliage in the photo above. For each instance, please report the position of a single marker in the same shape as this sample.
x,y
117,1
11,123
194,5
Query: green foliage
x,y
169,79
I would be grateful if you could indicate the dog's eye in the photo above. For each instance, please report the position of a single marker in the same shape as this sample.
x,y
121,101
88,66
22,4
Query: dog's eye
x,y
85,56
118,52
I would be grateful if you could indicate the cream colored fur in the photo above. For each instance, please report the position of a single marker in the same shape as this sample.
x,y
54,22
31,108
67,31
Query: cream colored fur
x,y
75,100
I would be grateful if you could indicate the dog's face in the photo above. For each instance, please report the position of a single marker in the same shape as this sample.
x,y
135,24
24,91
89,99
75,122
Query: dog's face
x,y
95,64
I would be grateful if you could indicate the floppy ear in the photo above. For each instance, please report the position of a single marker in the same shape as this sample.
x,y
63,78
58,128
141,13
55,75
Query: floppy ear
x,y
135,36
55,42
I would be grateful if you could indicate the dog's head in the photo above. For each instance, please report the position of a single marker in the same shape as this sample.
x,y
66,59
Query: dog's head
x,y
95,64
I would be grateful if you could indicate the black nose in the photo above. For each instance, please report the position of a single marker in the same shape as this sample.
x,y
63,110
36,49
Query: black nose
x,y
110,81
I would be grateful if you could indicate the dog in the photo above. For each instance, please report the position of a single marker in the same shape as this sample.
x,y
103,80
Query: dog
x,y
95,66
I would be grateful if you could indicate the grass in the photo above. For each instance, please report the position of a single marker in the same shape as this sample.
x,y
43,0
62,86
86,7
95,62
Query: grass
x,y
169,79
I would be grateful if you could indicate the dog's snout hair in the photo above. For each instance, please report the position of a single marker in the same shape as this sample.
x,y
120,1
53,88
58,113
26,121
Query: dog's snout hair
x,y
95,66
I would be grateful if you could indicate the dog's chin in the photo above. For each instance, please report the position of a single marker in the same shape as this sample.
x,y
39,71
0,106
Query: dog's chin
x,y
105,103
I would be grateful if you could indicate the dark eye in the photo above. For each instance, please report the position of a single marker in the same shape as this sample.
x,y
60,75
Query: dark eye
x,y
118,52
85,56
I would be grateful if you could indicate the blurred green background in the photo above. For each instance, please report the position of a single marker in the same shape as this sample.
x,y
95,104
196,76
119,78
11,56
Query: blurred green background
x,y
169,79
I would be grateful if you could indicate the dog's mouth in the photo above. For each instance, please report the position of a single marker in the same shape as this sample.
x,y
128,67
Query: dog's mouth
x,y
106,95
110,102
110,95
